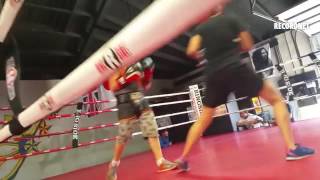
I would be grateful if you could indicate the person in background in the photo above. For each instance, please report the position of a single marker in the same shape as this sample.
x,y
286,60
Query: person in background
x,y
248,120
164,139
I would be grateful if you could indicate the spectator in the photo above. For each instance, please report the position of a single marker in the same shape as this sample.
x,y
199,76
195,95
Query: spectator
x,y
164,139
249,120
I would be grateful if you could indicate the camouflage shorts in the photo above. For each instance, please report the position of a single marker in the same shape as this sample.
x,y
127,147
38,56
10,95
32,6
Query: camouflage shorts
x,y
145,121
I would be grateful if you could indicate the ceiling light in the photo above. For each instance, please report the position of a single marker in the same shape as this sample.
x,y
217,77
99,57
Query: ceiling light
x,y
298,9
304,16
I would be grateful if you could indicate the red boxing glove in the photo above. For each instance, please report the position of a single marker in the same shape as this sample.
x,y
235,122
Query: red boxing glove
x,y
129,78
132,77
140,73
106,85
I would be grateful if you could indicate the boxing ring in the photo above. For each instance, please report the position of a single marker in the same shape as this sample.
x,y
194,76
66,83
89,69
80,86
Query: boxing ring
x,y
216,151
238,140
254,154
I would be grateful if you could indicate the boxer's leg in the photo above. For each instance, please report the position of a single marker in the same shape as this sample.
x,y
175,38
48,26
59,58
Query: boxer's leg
x,y
216,93
274,98
127,120
149,130
248,83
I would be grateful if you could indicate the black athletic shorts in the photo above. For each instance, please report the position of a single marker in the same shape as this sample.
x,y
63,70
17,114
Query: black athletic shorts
x,y
240,79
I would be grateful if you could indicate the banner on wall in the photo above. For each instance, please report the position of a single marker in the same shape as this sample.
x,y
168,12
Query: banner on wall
x,y
196,100
261,60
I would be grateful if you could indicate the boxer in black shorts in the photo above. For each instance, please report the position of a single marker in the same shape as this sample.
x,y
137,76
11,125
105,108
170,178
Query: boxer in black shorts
x,y
224,39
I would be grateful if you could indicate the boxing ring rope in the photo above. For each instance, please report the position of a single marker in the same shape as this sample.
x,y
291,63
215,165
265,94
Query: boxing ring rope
x,y
98,141
5,109
224,114
295,69
64,148
166,95
52,117
106,101
169,103
91,128
174,114
101,126
299,83
288,62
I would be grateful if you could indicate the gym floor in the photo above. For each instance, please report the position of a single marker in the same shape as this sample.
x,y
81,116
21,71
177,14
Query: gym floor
x,y
257,154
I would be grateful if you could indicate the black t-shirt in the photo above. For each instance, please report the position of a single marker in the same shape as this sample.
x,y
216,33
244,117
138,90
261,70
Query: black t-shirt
x,y
218,36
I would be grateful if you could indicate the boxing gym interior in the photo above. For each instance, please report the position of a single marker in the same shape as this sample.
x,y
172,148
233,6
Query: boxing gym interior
x,y
48,39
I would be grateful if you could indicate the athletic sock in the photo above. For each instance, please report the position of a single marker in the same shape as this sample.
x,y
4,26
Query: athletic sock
x,y
115,163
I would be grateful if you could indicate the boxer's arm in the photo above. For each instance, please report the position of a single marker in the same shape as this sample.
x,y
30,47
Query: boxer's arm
x,y
194,46
246,41
112,82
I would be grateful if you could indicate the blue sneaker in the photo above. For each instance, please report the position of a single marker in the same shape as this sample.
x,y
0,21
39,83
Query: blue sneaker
x,y
183,164
299,153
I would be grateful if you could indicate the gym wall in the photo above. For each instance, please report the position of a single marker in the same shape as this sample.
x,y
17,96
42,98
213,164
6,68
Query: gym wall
x,y
288,52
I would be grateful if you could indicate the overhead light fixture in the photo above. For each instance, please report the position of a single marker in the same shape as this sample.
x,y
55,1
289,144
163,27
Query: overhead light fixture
x,y
298,9
307,12
313,20
306,15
